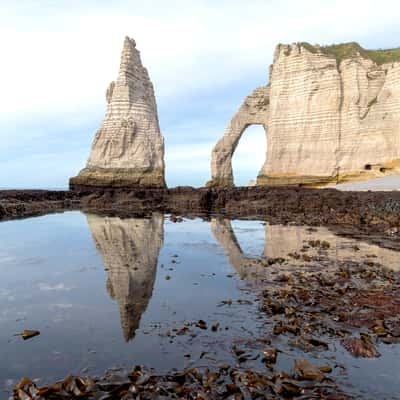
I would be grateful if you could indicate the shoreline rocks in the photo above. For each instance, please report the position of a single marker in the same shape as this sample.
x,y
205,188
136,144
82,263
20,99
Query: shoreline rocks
x,y
370,216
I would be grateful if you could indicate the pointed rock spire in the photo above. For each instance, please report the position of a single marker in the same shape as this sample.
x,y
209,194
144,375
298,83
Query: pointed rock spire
x,y
128,149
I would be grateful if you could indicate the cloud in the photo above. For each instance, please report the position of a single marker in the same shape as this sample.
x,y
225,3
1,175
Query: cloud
x,y
62,306
203,57
6,259
45,287
63,57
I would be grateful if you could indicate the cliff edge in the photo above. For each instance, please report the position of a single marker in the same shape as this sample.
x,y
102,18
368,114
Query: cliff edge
x,y
331,114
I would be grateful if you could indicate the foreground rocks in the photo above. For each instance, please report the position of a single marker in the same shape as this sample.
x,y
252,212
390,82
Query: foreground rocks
x,y
29,203
313,308
128,149
314,305
228,382
331,115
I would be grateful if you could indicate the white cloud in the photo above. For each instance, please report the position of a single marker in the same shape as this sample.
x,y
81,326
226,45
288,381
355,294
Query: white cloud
x,y
59,56
63,59
6,259
62,306
46,287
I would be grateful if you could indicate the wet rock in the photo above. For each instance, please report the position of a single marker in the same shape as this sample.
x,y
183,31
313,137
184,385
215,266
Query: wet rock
x,y
201,324
215,327
29,334
304,369
392,324
270,355
360,347
226,382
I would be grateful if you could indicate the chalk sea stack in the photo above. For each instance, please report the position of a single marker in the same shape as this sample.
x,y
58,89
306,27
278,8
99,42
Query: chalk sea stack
x,y
331,114
128,149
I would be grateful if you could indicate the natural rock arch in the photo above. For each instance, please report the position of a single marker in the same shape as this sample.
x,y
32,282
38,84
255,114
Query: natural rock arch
x,y
332,115
253,111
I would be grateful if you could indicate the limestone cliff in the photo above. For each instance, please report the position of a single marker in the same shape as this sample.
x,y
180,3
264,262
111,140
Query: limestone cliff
x,y
129,248
128,149
331,114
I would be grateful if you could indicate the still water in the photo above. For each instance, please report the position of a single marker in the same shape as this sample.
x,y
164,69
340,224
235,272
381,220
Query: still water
x,y
107,292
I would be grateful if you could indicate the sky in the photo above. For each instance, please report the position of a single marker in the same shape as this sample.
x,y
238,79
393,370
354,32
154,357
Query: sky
x,y
203,56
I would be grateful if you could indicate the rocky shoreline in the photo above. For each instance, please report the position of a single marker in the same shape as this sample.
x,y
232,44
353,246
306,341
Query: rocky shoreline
x,y
372,216
311,310
313,302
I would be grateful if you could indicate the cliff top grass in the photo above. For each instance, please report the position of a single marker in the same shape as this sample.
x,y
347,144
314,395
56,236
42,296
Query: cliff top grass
x,y
348,50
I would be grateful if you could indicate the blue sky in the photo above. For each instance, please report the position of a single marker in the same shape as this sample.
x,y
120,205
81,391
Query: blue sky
x,y
203,57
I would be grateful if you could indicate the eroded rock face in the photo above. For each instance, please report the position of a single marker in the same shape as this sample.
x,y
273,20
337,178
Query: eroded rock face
x,y
254,110
129,248
329,119
128,149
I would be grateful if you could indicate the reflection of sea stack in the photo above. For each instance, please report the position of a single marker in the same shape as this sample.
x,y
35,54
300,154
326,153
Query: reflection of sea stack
x,y
130,249
128,149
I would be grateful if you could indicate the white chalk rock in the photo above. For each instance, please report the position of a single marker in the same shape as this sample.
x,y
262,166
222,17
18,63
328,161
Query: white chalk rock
x,y
128,149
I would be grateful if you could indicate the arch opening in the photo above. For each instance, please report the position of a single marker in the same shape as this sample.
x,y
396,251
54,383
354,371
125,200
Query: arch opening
x,y
249,155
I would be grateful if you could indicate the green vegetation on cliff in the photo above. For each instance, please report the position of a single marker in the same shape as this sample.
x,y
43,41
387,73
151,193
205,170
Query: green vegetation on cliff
x,y
349,50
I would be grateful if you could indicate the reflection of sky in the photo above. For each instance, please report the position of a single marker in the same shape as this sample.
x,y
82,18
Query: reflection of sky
x,y
51,112
64,295
45,287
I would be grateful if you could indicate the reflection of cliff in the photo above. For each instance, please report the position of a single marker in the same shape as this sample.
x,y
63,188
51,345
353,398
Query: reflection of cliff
x,y
223,232
281,240
129,248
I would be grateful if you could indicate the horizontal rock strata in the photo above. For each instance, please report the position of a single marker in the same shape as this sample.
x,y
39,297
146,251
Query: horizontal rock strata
x,y
331,115
128,149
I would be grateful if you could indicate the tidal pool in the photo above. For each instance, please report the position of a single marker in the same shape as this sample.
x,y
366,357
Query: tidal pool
x,y
109,292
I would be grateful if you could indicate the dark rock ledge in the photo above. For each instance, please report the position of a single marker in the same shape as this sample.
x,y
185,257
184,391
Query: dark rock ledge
x,y
372,214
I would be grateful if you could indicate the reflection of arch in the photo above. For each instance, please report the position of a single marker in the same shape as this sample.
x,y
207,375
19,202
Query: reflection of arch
x,y
129,248
254,110
280,241
223,232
